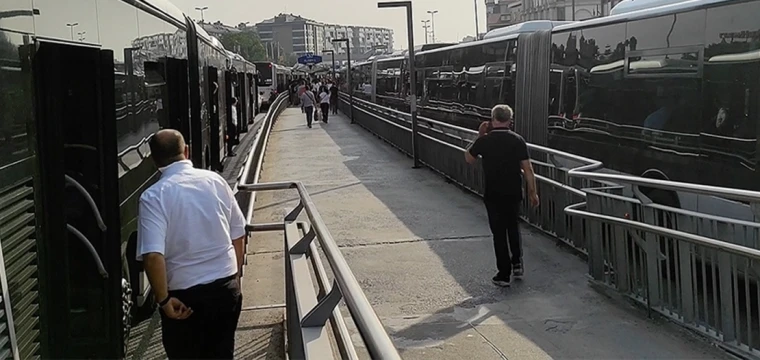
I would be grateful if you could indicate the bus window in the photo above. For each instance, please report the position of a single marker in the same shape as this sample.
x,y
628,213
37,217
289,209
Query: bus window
x,y
555,78
265,75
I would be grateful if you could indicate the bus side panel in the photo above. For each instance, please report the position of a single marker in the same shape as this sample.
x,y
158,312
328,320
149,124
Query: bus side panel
x,y
21,211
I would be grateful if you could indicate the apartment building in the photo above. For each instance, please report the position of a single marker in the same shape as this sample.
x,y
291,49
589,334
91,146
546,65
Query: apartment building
x,y
299,35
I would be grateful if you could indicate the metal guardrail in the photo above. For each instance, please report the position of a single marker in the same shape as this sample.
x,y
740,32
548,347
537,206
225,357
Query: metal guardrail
x,y
307,310
701,271
442,148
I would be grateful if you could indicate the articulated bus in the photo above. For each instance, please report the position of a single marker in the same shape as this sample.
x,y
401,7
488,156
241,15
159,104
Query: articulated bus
x,y
272,79
667,92
83,85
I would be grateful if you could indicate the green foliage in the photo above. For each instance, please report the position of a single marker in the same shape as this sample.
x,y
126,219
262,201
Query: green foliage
x,y
246,43
288,59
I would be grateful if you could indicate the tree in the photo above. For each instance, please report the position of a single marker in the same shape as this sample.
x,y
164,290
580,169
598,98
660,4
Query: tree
x,y
246,43
288,59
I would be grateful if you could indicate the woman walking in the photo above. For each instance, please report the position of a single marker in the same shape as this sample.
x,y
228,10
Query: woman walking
x,y
324,102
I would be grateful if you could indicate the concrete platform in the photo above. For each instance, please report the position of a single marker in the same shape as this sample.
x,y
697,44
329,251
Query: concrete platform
x,y
422,252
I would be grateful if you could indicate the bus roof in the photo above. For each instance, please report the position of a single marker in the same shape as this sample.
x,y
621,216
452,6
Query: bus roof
x,y
668,7
167,8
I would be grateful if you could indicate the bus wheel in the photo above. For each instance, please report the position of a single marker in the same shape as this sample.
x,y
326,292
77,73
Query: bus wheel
x,y
126,308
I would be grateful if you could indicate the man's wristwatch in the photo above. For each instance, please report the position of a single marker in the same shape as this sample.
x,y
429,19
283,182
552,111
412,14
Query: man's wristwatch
x,y
164,301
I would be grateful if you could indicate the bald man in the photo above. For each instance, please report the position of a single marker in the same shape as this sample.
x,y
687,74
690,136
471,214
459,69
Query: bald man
x,y
190,238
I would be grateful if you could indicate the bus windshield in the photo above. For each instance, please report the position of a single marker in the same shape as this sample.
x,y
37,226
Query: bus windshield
x,y
265,74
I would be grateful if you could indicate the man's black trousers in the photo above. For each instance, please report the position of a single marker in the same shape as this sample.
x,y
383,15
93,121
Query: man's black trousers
x,y
503,218
209,332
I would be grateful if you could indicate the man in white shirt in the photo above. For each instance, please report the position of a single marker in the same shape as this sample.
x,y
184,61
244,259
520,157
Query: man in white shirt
x,y
191,235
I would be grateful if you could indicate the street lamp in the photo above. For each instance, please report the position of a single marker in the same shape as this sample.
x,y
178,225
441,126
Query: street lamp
x,y
350,87
202,9
332,52
71,27
412,73
426,26
432,21
477,26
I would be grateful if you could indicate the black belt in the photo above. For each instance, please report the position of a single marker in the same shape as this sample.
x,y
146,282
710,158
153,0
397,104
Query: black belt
x,y
214,284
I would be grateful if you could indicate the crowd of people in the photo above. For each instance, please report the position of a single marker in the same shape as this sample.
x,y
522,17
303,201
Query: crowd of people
x,y
317,97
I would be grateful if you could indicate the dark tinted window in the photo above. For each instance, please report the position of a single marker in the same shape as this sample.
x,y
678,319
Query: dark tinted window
x,y
15,102
732,84
564,49
388,76
596,57
597,46
667,31
265,74
495,52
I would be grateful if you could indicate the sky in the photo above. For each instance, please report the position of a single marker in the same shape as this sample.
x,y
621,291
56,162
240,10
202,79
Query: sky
x,y
455,18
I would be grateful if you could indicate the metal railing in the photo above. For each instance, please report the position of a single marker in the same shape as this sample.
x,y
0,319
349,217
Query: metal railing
x,y
701,271
308,310
442,148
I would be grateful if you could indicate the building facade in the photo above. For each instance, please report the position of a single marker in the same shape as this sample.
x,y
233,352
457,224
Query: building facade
x,y
503,13
299,35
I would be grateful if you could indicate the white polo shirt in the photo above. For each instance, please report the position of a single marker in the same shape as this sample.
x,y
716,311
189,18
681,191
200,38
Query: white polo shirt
x,y
190,216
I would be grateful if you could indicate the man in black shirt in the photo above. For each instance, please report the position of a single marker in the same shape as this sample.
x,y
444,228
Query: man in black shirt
x,y
505,155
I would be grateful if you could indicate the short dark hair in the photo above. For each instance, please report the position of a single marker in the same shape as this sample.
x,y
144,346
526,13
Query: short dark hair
x,y
166,147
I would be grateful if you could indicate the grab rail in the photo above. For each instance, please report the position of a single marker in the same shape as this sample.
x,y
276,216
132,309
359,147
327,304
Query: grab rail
x,y
376,338
590,165
345,286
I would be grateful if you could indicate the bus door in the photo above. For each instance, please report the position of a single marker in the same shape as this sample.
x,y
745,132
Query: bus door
x,y
251,98
177,102
80,240
217,133
242,103
230,92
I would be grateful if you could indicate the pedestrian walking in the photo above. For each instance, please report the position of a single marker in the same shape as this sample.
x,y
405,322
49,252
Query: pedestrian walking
x,y
324,102
191,238
334,99
308,102
505,155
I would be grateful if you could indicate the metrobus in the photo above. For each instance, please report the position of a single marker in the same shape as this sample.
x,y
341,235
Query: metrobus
x,y
671,91
272,79
82,88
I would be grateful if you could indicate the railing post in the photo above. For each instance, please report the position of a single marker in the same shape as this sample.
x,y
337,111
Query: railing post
x,y
652,251
594,241
295,348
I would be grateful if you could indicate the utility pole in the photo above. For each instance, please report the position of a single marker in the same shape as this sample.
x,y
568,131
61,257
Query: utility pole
x,y
426,27
432,22
477,27
412,75
202,9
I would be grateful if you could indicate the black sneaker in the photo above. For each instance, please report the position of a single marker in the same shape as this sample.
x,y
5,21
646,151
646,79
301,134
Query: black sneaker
x,y
500,280
517,269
